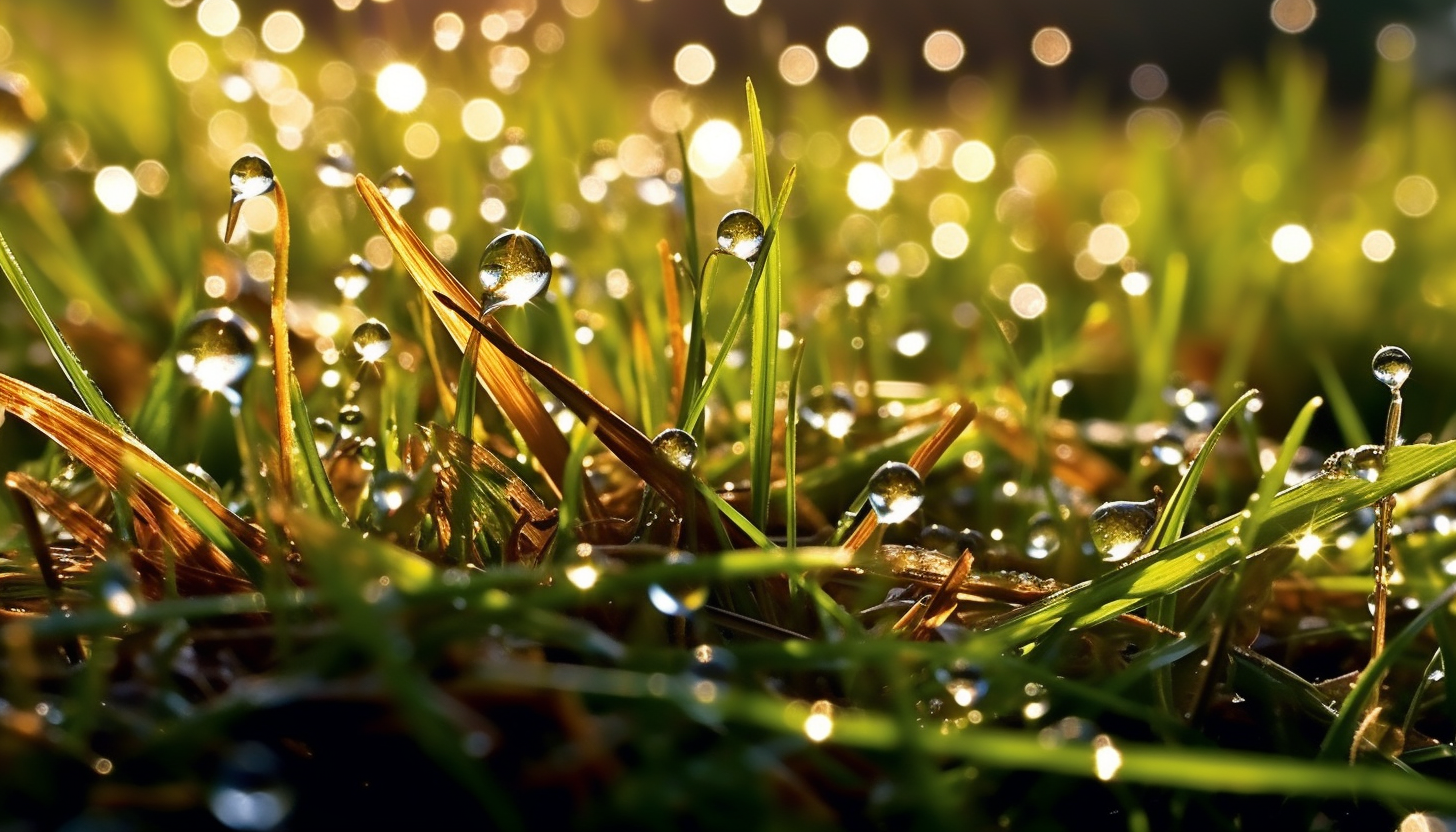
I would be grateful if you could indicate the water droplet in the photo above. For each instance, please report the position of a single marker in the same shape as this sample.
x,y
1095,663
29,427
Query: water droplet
x,y
371,340
391,491
1366,462
1118,527
678,597
350,418
398,187
740,234
250,176
353,279
1392,366
324,434
832,411
17,130
514,269
677,448
963,682
896,492
713,662
201,478
216,349
250,793
820,722
940,538
336,167
1168,448
1042,536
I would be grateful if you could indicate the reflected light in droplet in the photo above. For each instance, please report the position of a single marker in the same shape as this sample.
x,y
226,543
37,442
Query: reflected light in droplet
x,y
847,47
1136,284
973,161
694,64
944,50
1415,196
583,576
218,17
1292,16
714,147
870,187
1396,42
742,8
1309,545
869,135
820,722
798,65
1051,46
1108,244
1292,243
1028,301
1106,759
116,189
400,87
912,343
1377,246
282,32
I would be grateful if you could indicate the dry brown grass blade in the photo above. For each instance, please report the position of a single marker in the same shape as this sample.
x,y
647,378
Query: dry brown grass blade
x,y
535,522
675,339
628,443
102,450
80,523
956,419
502,379
943,602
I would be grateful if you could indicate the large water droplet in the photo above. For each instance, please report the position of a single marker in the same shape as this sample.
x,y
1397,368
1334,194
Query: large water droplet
x,y
831,411
678,597
896,492
250,793
371,340
398,187
324,434
250,176
17,130
1043,537
216,349
740,234
353,279
1119,527
677,448
514,269
391,491
1366,462
1392,366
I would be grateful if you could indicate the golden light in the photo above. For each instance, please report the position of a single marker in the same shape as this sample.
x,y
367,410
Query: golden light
x,y
116,189
187,61
449,31
1377,246
869,135
1309,545
742,8
1292,16
944,50
847,47
1415,196
400,87
1108,244
482,119
1136,284
973,161
870,187
421,140
579,8
949,240
218,17
1028,301
1396,42
714,147
694,64
583,576
798,65
151,177
1051,46
1292,243
820,722
1106,759
282,32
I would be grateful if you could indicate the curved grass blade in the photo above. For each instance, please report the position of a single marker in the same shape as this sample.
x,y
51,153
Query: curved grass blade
x,y
1202,553
313,465
763,370
196,511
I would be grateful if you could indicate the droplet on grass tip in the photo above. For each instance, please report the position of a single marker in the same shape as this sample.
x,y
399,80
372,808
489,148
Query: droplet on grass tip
x,y
1392,366
895,492
398,187
372,340
514,269
1119,527
250,176
740,234
677,448
678,597
216,349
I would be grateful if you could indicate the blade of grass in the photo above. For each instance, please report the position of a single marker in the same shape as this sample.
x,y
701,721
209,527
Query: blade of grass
x,y
315,477
791,430
1347,416
197,512
672,301
690,218
290,467
764,349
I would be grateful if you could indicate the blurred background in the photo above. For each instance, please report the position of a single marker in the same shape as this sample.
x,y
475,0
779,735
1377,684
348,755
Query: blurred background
x,y
1150,202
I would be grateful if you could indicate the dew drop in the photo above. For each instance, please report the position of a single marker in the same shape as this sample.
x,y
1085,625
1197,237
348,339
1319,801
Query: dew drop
x,y
353,279
336,168
895,492
1392,366
17,130
250,793
201,478
216,349
677,448
831,411
1168,448
1042,536
392,491
678,597
398,187
1366,462
250,176
350,419
740,234
371,340
324,434
963,682
1119,527
713,662
514,269
940,538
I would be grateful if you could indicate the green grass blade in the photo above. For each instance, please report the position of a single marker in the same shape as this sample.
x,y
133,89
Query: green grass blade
x,y
791,428
212,528
690,211
315,478
1170,522
1347,416
764,351
1196,556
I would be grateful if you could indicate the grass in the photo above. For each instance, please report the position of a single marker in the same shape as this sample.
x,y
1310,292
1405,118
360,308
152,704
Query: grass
x,y
447,613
